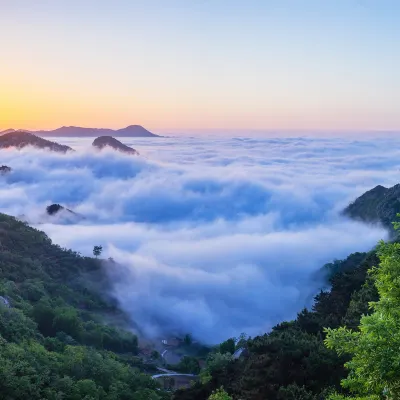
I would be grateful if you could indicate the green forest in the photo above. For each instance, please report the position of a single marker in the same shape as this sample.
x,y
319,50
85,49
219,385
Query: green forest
x,y
55,342
346,347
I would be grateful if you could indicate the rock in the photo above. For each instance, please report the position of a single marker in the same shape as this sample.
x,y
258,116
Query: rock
x,y
4,169
63,213
19,140
108,141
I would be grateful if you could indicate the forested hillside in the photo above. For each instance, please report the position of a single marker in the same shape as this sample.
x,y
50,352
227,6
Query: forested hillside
x,y
378,205
292,362
54,343
53,340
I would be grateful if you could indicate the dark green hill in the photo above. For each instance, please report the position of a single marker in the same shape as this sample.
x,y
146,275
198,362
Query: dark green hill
x,y
378,205
53,341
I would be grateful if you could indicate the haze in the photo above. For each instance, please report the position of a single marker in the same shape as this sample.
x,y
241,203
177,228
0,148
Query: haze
x,y
198,66
212,237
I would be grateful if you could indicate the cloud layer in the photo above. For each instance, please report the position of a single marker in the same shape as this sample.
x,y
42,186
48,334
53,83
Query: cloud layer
x,y
214,236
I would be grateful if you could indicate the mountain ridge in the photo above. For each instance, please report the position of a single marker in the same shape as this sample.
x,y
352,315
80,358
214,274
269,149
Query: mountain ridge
x,y
20,140
377,205
77,131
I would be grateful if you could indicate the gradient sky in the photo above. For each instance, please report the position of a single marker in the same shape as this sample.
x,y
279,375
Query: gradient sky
x,y
179,65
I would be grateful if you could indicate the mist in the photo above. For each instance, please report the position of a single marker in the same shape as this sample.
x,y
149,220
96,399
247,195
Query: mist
x,y
211,236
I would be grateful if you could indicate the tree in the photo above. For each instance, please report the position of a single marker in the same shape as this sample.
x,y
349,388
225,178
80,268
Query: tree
x,y
241,340
375,364
228,346
52,344
214,362
220,394
97,250
188,365
67,320
188,339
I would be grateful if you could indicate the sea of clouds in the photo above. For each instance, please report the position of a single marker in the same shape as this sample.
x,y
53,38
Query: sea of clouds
x,y
213,236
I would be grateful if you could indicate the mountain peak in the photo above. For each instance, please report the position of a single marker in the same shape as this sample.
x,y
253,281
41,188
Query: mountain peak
x,y
379,204
108,141
22,139
134,127
77,131
7,131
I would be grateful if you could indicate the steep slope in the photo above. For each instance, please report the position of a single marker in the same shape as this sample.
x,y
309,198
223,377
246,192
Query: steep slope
x,y
22,139
53,342
379,204
110,142
291,362
76,131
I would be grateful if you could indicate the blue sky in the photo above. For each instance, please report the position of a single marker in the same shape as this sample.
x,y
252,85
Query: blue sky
x,y
177,65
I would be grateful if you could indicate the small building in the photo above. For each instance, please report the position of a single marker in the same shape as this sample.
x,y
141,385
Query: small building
x,y
172,342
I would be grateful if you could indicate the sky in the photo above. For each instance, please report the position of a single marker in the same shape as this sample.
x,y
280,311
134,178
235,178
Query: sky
x,y
199,66
213,237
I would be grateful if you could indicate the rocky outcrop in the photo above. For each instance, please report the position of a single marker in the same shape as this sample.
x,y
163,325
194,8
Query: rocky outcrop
x,y
19,140
4,169
378,205
110,142
64,213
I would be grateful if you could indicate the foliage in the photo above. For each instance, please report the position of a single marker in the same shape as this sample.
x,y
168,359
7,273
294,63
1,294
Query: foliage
x,y
292,362
54,209
188,365
228,346
241,341
53,343
375,363
155,355
220,394
97,250
215,362
188,340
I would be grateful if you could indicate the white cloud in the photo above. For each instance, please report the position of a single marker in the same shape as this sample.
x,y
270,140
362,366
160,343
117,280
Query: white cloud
x,y
215,236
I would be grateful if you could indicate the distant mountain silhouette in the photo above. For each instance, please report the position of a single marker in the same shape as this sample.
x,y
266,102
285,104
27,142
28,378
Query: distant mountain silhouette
x,y
76,131
19,140
108,141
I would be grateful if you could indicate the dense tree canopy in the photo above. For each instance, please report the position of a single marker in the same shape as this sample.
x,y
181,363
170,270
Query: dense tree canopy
x,y
375,363
291,362
53,341
220,394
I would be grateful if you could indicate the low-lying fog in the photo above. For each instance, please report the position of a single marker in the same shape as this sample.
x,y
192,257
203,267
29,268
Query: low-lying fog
x,y
216,236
